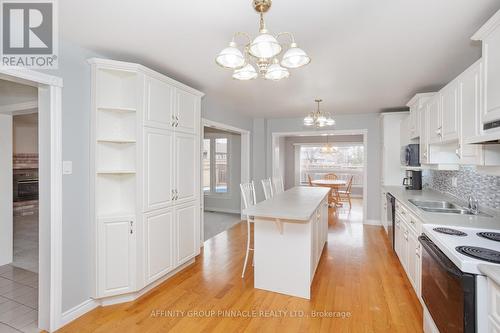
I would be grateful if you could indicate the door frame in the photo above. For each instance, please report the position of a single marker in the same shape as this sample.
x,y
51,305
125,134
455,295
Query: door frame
x,y
245,161
364,132
50,191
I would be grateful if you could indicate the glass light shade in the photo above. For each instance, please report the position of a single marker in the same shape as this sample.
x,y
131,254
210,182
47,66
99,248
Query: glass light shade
x,y
330,122
295,57
230,57
246,73
264,46
322,119
275,72
308,121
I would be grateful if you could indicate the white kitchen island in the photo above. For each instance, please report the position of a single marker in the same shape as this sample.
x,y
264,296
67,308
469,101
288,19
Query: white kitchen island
x,y
289,235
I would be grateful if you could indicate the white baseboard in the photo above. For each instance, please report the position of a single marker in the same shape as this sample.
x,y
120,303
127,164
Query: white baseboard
x,y
78,311
372,222
222,210
91,304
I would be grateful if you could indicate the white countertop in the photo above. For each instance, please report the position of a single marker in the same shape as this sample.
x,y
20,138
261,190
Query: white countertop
x,y
471,221
298,203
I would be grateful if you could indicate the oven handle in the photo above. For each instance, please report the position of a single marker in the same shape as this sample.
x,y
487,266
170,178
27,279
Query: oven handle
x,y
439,256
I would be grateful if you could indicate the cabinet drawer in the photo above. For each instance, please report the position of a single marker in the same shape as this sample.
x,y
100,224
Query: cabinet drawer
x,y
494,301
414,223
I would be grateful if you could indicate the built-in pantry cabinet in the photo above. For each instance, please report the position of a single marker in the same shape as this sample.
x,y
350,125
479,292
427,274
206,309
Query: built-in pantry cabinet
x,y
145,166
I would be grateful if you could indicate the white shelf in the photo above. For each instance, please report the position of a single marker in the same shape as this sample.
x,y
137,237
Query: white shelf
x,y
115,193
115,172
116,109
117,140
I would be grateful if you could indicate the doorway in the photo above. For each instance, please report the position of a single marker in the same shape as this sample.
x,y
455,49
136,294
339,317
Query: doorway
x,y
38,293
225,164
298,156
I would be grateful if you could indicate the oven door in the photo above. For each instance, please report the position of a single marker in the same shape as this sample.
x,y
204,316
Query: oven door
x,y
448,293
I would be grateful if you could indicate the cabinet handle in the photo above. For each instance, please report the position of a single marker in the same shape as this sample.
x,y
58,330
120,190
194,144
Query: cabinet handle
x,y
176,195
173,121
173,194
131,227
176,121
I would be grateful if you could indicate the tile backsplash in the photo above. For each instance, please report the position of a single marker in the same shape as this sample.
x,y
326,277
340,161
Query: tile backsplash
x,y
469,182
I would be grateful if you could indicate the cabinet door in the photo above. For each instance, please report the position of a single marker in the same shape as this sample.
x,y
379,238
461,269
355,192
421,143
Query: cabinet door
x,y
159,244
449,112
434,113
116,257
412,123
188,112
470,95
187,173
398,238
412,265
187,219
491,54
158,168
159,110
424,135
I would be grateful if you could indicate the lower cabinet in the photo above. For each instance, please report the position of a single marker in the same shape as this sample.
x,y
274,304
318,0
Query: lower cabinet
x,y
319,234
408,248
117,256
159,243
186,218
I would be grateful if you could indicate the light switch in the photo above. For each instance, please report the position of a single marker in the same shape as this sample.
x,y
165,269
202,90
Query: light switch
x,y
67,167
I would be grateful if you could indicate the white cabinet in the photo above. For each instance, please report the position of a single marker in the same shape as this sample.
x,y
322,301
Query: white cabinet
x,y
319,234
449,112
117,255
383,210
187,172
159,111
407,246
186,219
470,108
433,111
145,153
424,135
158,187
391,172
187,112
159,243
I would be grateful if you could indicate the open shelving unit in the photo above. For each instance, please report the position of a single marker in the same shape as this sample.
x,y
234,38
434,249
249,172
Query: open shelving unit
x,y
115,152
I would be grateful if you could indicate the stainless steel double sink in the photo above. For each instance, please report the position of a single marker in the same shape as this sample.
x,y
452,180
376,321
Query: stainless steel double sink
x,y
443,207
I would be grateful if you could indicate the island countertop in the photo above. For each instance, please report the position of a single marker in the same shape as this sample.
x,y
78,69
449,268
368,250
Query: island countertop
x,y
298,203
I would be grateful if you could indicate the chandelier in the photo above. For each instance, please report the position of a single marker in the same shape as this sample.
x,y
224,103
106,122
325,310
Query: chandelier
x,y
319,118
328,148
262,53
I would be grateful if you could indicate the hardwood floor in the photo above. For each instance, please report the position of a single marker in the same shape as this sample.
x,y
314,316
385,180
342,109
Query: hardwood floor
x,y
359,280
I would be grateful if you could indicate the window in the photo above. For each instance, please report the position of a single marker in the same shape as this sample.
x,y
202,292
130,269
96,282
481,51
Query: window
x,y
215,164
343,159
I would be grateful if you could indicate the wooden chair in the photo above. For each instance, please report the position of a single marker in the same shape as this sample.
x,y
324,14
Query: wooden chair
x,y
345,195
249,199
267,186
331,176
309,179
278,185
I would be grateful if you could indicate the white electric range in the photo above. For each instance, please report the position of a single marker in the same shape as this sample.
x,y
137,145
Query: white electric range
x,y
450,276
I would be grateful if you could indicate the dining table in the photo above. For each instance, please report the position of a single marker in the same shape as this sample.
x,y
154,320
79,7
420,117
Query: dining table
x,y
334,184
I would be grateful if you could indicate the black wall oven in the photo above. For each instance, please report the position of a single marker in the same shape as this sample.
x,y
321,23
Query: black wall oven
x,y
25,184
449,294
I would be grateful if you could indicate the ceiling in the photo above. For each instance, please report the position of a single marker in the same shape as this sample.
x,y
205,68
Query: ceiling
x,y
367,56
15,93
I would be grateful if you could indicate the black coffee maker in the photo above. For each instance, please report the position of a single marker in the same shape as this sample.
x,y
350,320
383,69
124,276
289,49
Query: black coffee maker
x,y
413,180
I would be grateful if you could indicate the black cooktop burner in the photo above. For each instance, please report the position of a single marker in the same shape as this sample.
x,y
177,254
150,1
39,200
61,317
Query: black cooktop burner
x,y
450,231
494,236
480,253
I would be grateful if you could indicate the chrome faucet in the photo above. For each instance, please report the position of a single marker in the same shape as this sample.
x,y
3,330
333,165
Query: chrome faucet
x,y
473,205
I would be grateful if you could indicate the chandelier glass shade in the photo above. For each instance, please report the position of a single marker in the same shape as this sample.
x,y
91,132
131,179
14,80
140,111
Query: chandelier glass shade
x,y
259,56
319,118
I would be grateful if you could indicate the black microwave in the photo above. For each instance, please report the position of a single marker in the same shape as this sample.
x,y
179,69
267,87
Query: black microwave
x,y
410,155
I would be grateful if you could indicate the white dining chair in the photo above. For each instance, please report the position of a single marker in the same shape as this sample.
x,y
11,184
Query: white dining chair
x,y
249,199
267,186
278,185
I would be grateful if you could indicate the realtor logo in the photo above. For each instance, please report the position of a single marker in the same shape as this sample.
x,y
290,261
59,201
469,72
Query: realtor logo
x,y
28,34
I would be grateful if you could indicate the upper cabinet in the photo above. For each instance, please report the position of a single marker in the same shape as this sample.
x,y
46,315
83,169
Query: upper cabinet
x,y
434,122
160,97
489,126
417,106
187,112
449,112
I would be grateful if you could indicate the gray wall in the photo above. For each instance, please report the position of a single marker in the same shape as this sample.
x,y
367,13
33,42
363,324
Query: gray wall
x,y
369,121
228,203
76,264
289,155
